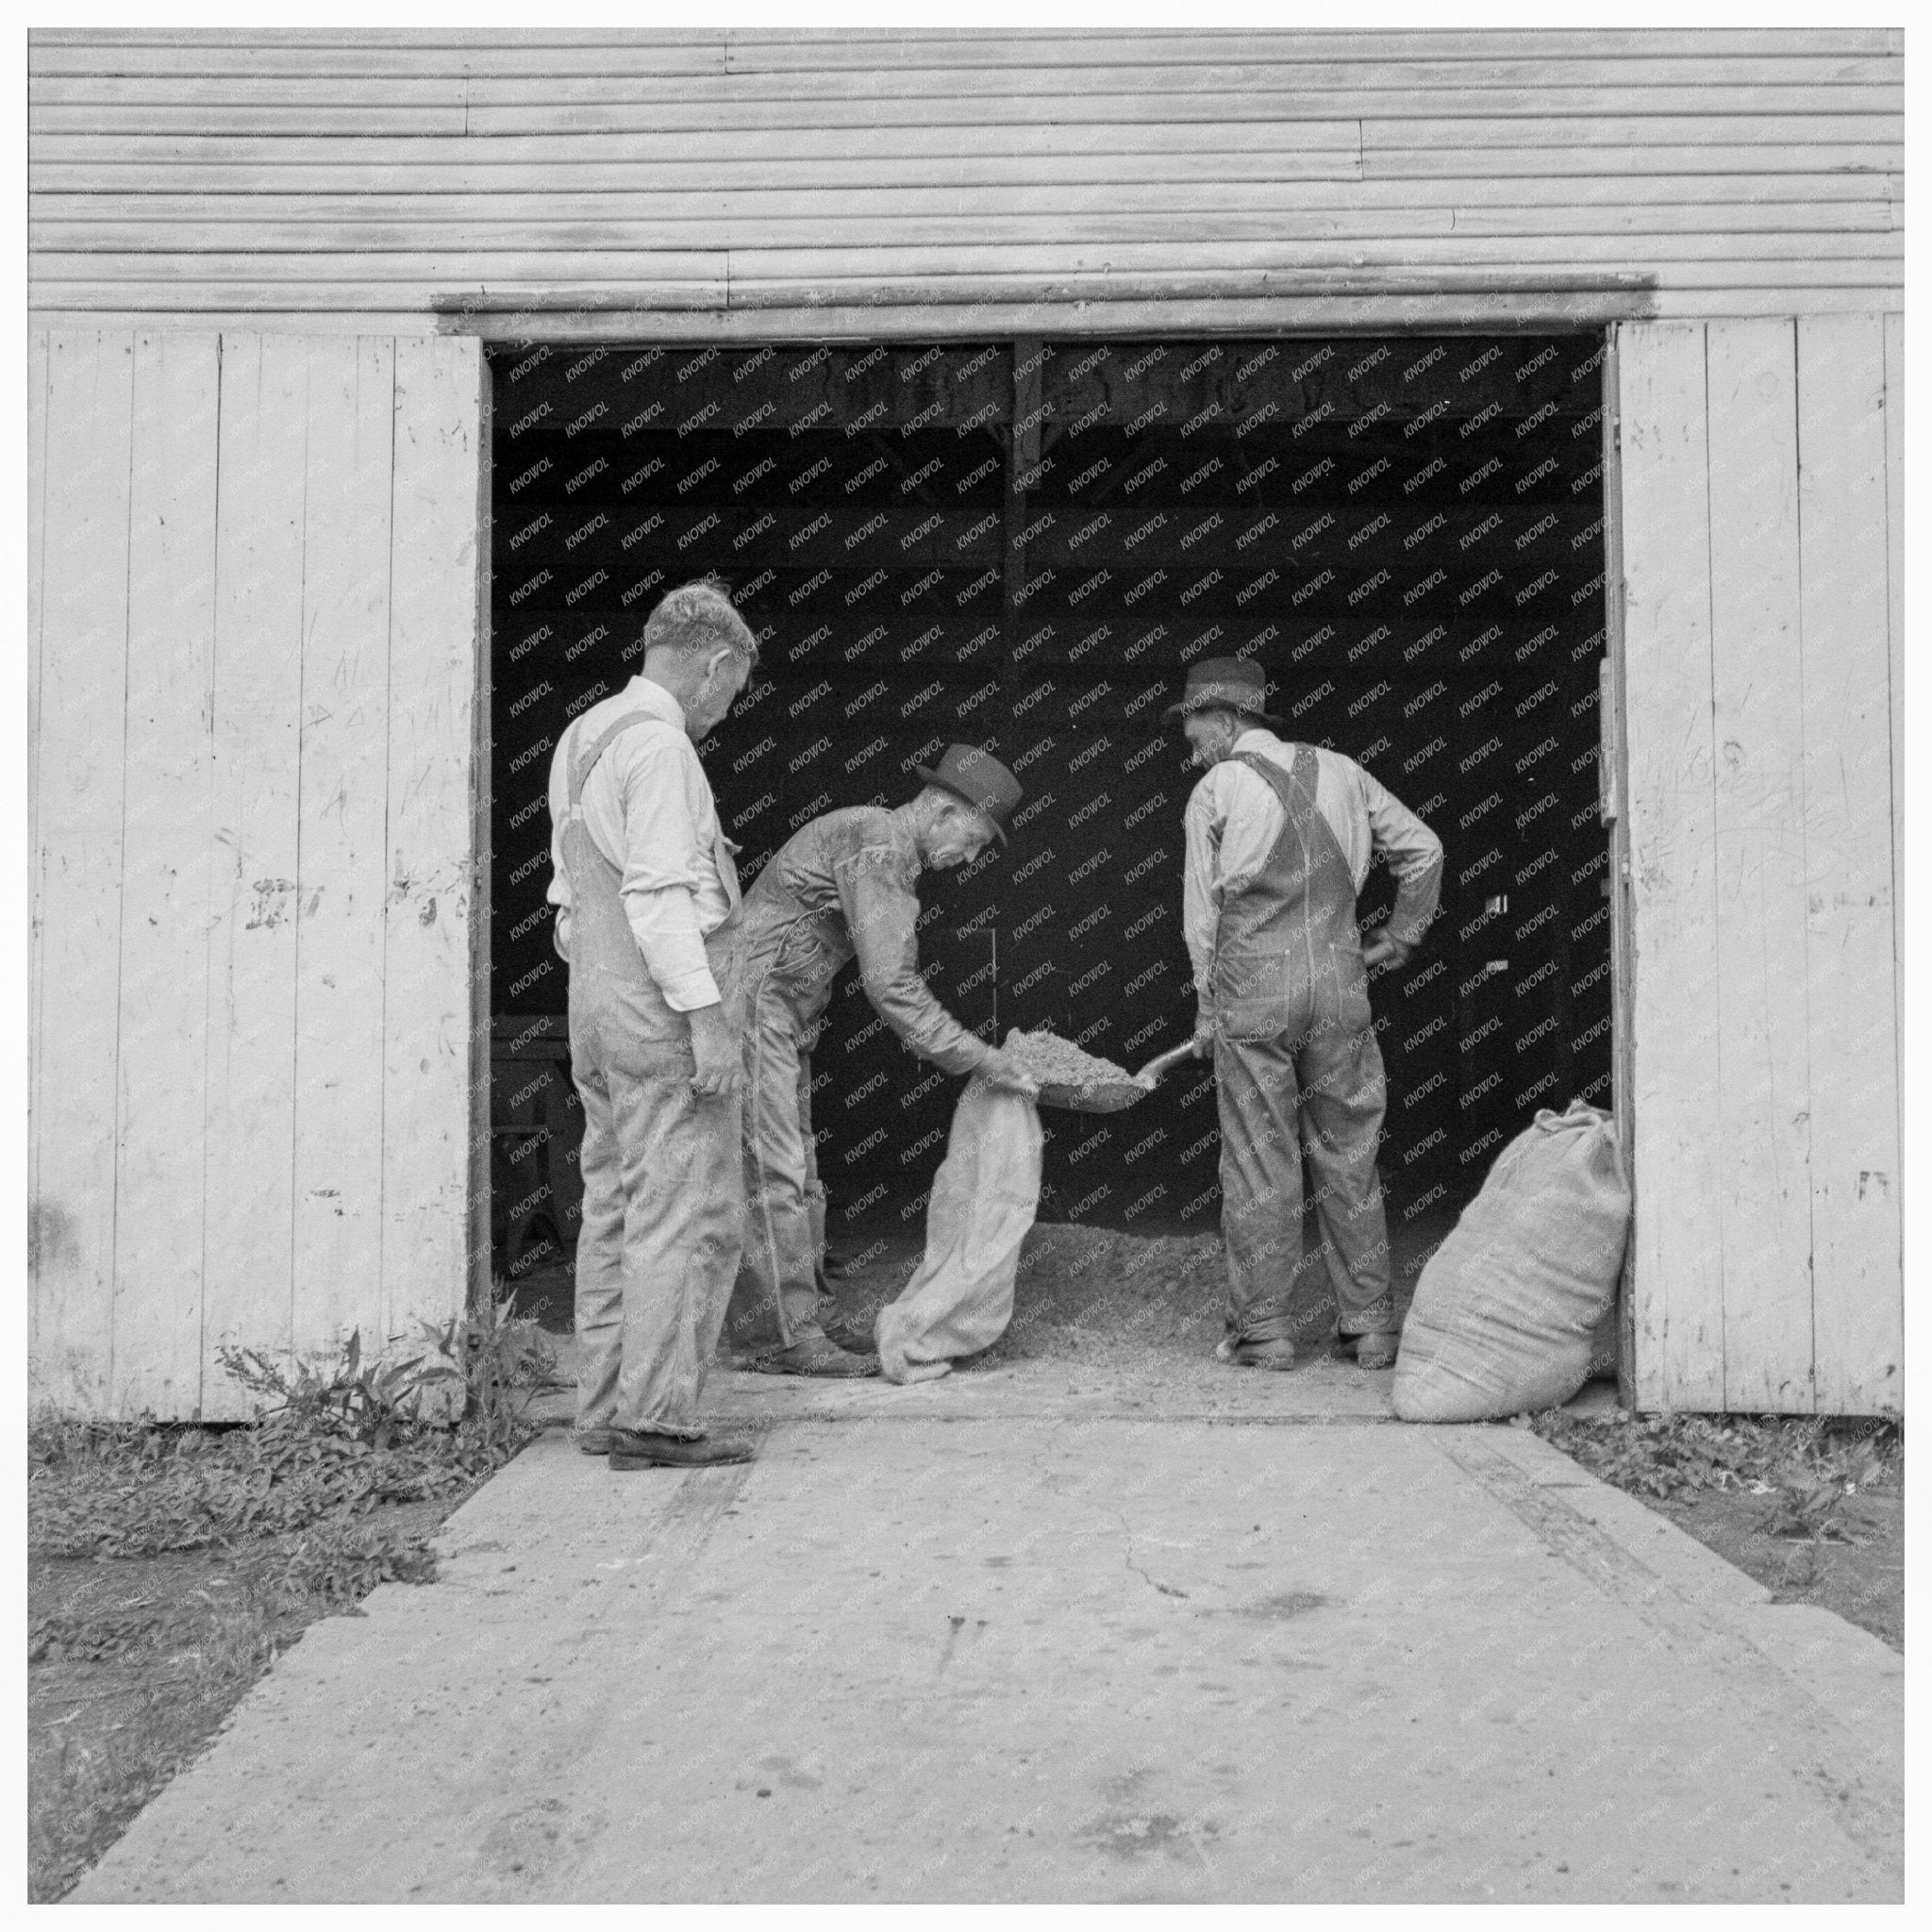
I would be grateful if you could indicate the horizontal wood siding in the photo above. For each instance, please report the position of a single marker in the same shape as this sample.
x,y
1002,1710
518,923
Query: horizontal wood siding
x,y
1760,511
347,177
251,1088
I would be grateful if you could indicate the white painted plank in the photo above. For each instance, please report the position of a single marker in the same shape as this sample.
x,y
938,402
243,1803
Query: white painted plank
x,y
258,683
77,861
525,152
1555,82
161,1129
1662,156
274,52
1856,1287
1896,682
1693,287
104,169
39,349
933,248
300,50
135,91
115,121
781,49
935,314
1765,1094
342,865
1678,1264
1399,116
1638,127
592,202
435,639
1785,229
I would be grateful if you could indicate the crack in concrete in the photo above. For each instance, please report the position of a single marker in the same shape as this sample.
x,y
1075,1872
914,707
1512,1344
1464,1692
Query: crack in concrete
x,y
1165,1588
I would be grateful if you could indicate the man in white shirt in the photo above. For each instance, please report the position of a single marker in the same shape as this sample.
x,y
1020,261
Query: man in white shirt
x,y
648,920
1279,840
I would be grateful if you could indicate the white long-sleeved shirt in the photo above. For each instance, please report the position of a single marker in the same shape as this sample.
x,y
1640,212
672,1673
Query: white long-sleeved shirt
x,y
1234,818
648,809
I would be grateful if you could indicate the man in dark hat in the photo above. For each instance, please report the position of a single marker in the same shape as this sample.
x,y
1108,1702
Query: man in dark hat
x,y
1279,840
844,887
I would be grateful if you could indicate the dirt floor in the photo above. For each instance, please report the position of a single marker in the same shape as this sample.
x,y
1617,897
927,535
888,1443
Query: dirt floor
x,y
1104,1295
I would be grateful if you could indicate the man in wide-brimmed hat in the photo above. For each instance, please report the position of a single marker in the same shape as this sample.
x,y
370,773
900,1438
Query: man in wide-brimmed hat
x,y
1279,840
844,887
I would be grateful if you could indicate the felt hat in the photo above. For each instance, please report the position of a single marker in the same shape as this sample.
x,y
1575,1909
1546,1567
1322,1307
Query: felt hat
x,y
979,778
1235,681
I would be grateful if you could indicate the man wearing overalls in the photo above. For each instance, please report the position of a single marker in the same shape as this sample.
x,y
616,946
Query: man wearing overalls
x,y
649,920
844,887
1279,840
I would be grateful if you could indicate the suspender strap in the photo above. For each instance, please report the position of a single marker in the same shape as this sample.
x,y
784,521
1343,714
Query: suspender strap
x,y
585,761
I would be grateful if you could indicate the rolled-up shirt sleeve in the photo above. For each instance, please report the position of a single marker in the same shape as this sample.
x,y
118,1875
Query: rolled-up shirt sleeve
x,y
1412,852
881,912
665,864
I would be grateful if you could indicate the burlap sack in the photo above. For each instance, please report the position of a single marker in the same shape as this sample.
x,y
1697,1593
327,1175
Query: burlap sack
x,y
1504,1313
984,1198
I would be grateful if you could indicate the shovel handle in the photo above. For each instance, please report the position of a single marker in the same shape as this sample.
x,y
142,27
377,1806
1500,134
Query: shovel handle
x,y
1166,1062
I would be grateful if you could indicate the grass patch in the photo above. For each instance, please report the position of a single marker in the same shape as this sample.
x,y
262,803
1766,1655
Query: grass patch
x,y
1813,1508
169,1565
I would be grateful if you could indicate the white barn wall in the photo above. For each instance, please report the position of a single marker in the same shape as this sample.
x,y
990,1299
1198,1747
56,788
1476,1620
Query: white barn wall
x,y
255,723
253,893
879,181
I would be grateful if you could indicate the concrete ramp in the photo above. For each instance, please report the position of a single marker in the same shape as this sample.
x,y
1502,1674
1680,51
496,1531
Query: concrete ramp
x,y
984,1639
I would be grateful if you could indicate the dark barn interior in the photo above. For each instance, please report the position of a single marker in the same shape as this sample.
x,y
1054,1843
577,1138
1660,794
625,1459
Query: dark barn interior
x,y
1024,545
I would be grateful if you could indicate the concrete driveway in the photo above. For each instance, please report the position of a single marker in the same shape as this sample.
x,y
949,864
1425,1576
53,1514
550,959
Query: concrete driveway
x,y
1028,1633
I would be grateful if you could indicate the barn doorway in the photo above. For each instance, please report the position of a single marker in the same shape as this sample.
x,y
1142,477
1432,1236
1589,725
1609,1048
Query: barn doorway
x,y
1025,544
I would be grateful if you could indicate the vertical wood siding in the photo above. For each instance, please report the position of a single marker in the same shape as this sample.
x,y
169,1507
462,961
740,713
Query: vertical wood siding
x,y
250,1041
360,172
1762,587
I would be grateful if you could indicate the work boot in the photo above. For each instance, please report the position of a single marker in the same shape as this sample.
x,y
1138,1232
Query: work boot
x,y
816,1355
1256,1355
646,1449
854,1336
591,1441
1377,1351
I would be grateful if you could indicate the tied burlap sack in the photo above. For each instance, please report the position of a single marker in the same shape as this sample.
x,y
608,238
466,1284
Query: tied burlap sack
x,y
1504,1313
984,1198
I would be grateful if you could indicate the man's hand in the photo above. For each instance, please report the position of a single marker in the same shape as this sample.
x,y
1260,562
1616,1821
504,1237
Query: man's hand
x,y
1003,1069
715,1047
1379,947
1204,1033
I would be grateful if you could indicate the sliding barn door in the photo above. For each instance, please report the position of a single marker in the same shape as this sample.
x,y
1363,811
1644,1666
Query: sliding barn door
x,y
253,665
1761,476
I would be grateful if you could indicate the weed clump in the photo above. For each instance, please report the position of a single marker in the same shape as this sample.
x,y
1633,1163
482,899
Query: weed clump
x,y
325,1450
1807,1469
230,1539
